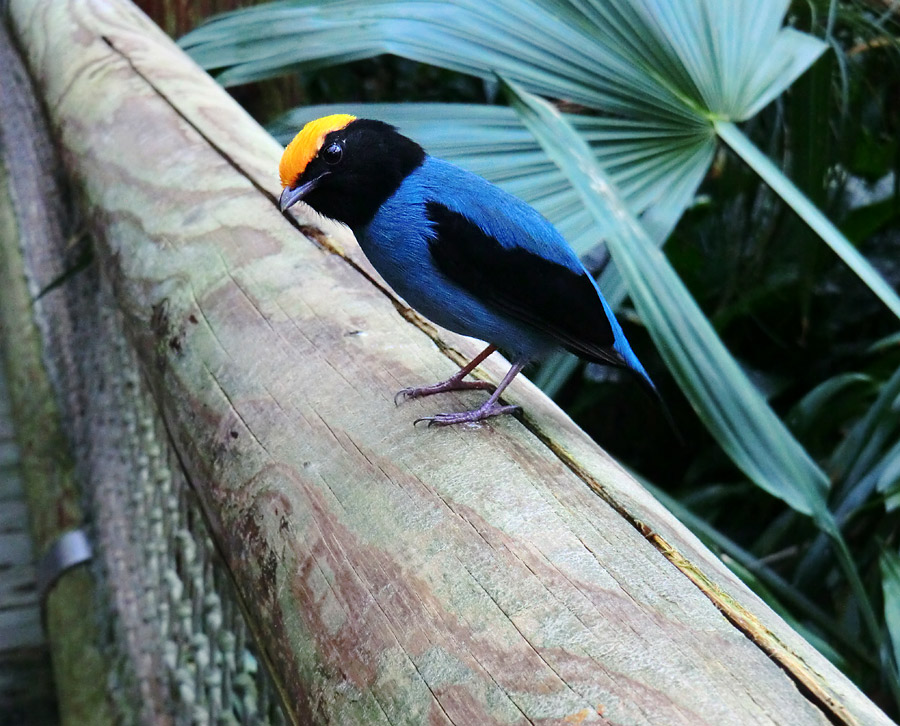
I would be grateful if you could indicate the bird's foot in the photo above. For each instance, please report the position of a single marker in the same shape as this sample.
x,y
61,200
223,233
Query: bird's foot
x,y
488,410
442,387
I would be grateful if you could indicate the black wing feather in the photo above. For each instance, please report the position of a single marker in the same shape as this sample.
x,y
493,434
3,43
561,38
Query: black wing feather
x,y
537,291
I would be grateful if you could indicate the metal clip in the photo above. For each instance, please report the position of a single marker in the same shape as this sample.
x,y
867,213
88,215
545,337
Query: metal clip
x,y
70,550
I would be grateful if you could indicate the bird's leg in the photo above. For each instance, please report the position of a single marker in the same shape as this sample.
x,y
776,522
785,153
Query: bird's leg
x,y
490,407
454,382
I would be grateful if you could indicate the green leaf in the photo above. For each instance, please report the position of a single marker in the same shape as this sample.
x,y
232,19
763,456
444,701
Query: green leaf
x,y
890,584
857,465
861,447
663,60
862,222
885,344
555,371
821,409
888,478
830,234
734,412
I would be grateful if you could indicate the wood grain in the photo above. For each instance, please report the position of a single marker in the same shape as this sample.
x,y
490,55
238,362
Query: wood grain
x,y
392,574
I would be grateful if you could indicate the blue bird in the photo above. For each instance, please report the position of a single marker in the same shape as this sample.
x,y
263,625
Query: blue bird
x,y
458,249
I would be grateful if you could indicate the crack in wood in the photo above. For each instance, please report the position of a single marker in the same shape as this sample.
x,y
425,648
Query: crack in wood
x,y
744,621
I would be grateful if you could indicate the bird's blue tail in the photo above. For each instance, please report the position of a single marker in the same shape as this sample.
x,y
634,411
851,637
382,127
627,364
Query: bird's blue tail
x,y
623,348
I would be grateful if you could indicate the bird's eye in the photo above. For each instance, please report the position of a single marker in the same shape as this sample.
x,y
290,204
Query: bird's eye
x,y
332,153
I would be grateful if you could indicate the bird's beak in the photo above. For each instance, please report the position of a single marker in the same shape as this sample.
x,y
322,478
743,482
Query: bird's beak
x,y
289,197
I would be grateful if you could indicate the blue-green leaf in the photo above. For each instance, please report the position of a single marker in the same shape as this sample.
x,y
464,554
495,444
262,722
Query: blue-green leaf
x,y
890,583
805,209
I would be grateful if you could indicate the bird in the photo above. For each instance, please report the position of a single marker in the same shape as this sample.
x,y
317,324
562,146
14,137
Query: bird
x,y
458,249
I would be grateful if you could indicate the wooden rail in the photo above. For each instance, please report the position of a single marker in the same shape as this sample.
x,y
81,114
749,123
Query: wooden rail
x,y
511,573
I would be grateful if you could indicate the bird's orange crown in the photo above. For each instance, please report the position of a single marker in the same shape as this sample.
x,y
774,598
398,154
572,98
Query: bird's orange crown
x,y
306,145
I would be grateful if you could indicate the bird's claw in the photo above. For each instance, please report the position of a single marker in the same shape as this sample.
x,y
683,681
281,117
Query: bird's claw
x,y
478,414
443,387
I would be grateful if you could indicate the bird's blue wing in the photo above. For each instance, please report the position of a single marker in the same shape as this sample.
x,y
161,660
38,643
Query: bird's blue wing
x,y
506,254
545,294
509,220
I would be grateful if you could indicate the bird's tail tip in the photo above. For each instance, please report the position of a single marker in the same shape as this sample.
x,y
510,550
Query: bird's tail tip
x,y
650,388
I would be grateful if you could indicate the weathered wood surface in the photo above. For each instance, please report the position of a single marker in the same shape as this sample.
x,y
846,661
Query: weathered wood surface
x,y
392,574
31,208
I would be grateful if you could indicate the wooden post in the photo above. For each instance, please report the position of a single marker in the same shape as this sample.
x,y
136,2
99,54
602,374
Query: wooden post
x,y
511,573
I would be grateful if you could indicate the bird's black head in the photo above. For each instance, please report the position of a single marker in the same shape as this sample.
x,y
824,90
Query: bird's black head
x,y
346,168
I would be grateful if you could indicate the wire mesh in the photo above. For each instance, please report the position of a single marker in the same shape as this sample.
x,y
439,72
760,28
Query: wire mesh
x,y
179,648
